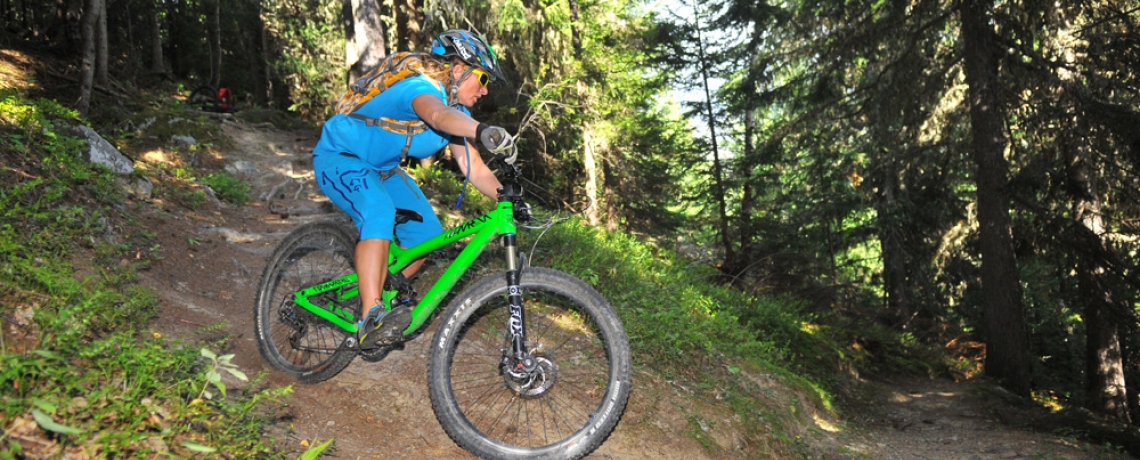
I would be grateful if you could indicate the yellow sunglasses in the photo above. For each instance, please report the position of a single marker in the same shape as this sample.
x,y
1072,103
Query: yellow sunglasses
x,y
484,78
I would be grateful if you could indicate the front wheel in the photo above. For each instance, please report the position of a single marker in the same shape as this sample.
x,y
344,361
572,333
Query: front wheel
x,y
567,406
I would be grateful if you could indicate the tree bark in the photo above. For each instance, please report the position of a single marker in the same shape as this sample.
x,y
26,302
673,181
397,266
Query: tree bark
x,y
156,63
409,20
87,66
610,194
1007,345
589,162
893,251
364,31
590,169
101,48
748,192
216,45
250,43
266,60
718,175
1104,362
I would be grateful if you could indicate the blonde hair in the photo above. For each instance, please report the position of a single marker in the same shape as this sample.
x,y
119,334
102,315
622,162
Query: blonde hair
x,y
438,68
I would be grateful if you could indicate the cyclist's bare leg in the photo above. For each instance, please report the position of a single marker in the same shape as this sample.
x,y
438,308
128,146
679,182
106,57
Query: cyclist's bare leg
x,y
371,269
413,267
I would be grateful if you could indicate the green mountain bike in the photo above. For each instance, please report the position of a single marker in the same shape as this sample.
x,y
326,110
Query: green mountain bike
x,y
530,364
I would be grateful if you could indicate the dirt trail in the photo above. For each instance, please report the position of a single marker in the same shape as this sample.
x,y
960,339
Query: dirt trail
x,y
918,418
212,260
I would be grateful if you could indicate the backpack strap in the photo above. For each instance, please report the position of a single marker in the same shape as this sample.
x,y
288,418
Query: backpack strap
x,y
408,128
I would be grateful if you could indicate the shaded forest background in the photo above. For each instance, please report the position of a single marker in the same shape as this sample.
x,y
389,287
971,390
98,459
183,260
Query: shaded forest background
x,y
965,172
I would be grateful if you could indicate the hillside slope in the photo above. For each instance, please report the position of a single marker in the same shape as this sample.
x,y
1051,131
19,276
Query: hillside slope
x,y
212,259
206,256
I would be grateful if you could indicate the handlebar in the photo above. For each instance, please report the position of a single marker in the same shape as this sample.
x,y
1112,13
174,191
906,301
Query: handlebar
x,y
512,190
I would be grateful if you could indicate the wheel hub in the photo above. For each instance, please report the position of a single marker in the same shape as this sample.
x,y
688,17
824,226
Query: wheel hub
x,y
531,377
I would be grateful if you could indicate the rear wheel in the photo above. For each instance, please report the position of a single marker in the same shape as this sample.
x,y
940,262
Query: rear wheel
x,y
289,337
564,407
203,97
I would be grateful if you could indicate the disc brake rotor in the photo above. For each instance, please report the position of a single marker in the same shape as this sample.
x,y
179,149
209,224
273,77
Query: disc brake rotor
x,y
534,383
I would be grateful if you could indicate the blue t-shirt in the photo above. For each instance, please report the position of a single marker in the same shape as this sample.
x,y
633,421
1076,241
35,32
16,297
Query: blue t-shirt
x,y
376,145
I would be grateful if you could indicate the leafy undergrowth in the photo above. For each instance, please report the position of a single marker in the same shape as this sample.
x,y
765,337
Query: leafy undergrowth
x,y
76,378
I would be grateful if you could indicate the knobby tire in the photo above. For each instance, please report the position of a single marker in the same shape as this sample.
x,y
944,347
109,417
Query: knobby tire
x,y
566,413
289,337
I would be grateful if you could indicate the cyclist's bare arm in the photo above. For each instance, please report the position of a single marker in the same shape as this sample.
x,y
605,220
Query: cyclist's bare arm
x,y
481,176
438,115
443,118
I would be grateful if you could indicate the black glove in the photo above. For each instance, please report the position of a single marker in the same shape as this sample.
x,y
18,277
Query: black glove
x,y
497,141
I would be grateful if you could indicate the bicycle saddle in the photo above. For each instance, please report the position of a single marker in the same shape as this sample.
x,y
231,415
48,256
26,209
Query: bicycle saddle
x,y
404,215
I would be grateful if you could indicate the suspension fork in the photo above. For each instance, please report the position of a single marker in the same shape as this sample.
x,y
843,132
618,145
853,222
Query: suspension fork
x,y
518,358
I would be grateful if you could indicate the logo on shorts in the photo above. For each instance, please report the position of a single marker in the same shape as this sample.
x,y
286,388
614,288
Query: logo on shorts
x,y
353,181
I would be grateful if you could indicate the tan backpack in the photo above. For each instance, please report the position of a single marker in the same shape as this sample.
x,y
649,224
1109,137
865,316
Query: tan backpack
x,y
393,69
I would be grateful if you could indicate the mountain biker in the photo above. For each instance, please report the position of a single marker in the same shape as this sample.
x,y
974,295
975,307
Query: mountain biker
x,y
356,162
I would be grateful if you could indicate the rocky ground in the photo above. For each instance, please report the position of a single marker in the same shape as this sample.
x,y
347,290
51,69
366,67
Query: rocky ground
x,y
212,259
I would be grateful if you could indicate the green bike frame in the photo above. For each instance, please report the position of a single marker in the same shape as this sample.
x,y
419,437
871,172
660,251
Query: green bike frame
x,y
482,229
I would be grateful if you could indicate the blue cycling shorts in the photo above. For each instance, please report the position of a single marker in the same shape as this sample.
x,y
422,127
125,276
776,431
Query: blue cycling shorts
x,y
371,199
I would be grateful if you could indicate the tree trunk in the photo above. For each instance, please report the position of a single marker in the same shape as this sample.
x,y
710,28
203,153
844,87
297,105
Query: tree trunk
x,y
364,31
610,194
589,162
409,20
893,251
575,32
87,66
718,175
251,44
589,166
1104,362
174,29
266,61
156,63
101,49
748,192
1007,349
216,45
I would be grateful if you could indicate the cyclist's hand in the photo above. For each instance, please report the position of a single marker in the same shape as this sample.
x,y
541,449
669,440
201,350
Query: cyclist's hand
x,y
497,141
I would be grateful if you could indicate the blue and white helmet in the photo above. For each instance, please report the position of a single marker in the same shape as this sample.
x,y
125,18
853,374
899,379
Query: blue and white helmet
x,y
470,48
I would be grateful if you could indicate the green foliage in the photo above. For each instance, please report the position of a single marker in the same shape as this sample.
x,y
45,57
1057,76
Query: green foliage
x,y
672,308
686,326
310,53
228,188
214,376
75,365
121,380
315,452
444,186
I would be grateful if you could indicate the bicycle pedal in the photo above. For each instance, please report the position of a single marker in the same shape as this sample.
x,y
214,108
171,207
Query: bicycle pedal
x,y
389,331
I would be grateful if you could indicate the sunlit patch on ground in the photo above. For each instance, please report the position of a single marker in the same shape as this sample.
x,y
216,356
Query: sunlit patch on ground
x,y
824,424
13,69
